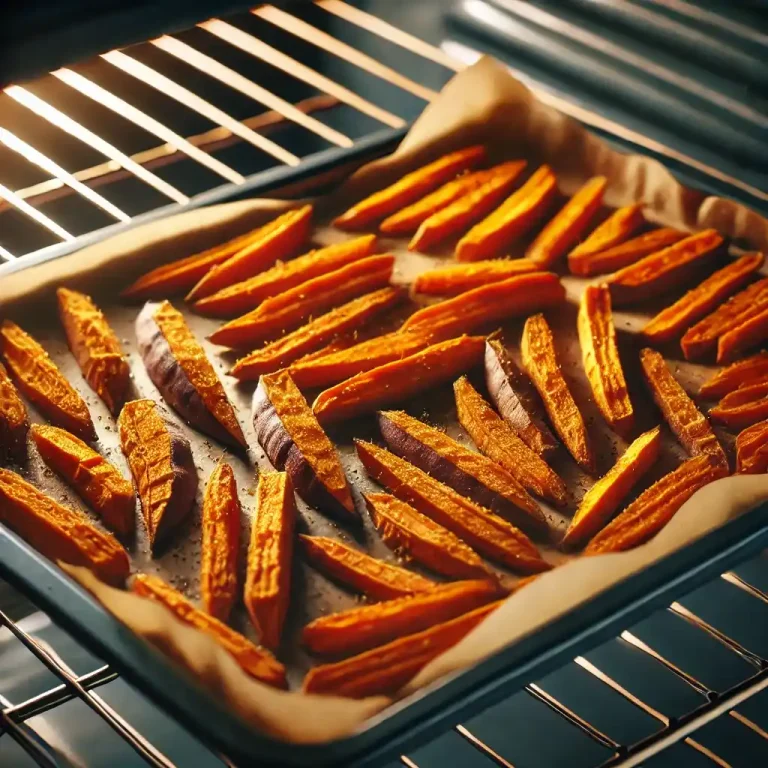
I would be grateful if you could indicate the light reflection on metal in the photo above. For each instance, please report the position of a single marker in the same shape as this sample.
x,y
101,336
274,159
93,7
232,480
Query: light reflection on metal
x,y
737,581
753,726
689,615
389,32
67,124
192,101
109,171
601,738
323,40
470,737
143,120
636,642
620,689
470,55
235,80
276,58
38,158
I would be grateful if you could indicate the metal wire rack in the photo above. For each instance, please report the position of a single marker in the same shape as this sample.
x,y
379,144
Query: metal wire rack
x,y
23,132
46,184
667,729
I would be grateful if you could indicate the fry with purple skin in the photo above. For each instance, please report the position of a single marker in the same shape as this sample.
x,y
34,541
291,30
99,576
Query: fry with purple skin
x,y
294,441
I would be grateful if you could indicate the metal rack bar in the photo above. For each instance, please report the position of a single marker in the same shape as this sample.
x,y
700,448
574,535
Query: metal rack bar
x,y
737,581
310,34
568,714
121,107
216,138
184,96
389,32
235,80
28,152
690,616
65,123
22,205
276,58
133,738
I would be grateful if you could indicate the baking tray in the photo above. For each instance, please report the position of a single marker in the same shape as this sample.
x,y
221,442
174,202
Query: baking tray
x,y
447,700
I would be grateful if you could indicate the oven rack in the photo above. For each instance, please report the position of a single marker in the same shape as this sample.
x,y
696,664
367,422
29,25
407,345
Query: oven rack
x,y
680,729
458,47
130,94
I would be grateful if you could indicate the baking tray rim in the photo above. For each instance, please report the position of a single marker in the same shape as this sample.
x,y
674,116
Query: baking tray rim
x,y
417,716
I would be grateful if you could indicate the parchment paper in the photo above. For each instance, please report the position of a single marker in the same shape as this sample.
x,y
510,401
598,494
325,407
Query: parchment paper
x,y
483,104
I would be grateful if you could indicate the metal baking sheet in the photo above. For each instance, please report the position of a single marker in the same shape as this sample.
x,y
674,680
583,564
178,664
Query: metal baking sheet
x,y
312,594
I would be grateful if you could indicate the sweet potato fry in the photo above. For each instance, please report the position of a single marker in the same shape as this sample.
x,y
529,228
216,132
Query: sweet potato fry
x,y
752,370
540,361
624,254
180,369
98,482
58,532
744,407
288,432
701,340
458,278
743,337
565,229
278,239
259,663
360,629
95,347
471,474
220,524
281,314
247,295
616,229
468,209
162,466
315,333
656,506
600,355
409,188
41,382
489,304
407,220
603,498
701,300
182,275
515,399
397,381
688,423
339,343
489,534
495,438
665,269
405,530
371,577
14,423
752,449
338,366
270,557
513,218
385,670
